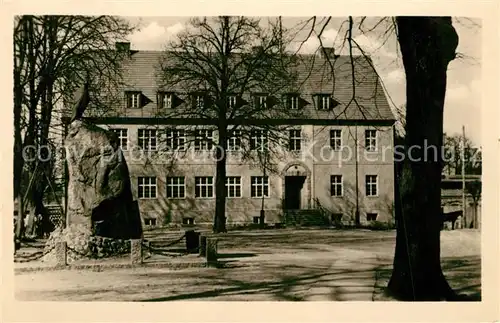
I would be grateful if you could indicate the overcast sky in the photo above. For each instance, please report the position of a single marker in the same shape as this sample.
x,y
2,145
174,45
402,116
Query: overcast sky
x,y
463,95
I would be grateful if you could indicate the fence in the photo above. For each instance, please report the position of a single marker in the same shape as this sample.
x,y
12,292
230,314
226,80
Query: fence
x,y
206,247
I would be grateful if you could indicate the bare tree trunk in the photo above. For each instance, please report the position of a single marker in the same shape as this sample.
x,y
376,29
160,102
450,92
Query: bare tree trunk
x,y
427,45
220,183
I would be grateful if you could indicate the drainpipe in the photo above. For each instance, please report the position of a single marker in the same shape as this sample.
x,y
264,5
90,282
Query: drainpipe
x,y
356,217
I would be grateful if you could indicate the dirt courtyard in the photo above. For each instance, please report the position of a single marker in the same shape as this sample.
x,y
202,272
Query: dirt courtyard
x,y
269,265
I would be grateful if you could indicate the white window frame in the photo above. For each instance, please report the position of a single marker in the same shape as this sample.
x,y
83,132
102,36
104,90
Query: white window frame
x,y
261,101
145,139
336,181
122,134
167,100
231,101
134,98
200,101
201,182
233,186
323,102
293,138
175,139
294,102
203,139
259,139
371,140
371,184
149,182
336,141
259,182
234,141
173,183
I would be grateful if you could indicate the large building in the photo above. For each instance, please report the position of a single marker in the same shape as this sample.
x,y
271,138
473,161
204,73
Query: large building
x,y
339,156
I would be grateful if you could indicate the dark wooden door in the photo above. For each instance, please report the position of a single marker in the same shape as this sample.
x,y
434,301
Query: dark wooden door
x,y
293,189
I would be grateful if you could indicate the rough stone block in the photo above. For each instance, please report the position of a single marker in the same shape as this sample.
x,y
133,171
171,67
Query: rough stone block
x,y
211,252
203,246
61,254
136,251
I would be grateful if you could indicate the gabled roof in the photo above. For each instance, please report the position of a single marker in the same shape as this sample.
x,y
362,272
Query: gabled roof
x,y
315,76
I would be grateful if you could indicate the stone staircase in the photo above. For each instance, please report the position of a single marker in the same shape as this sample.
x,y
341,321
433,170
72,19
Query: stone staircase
x,y
307,217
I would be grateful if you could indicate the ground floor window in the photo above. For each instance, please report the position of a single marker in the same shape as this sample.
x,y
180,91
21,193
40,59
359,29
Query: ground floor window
x,y
259,186
204,186
233,186
188,221
146,187
150,222
371,216
176,187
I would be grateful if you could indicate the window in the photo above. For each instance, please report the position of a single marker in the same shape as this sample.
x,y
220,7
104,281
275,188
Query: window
x,y
233,186
203,139
122,137
336,139
292,101
294,140
146,187
175,187
166,100
231,101
203,187
336,185
150,222
260,101
371,140
324,102
258,140
234,141
147,139
133,99
256,220
371,216
371,185
175,139
259,186
187,221
199,101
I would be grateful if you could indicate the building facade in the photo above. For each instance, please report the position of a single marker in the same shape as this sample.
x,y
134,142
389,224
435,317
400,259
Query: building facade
x,y
337,158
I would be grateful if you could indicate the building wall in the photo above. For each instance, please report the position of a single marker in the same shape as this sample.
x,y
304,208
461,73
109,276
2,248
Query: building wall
x,y
316,158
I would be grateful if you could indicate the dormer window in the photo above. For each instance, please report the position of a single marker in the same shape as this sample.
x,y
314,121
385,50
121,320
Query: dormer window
x,y
325,102
166,100
231,101
199,100
293,101
133,99
260,101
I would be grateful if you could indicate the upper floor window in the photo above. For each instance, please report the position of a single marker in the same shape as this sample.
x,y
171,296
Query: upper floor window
x,y
147,139
294,140
371,140
261,101
336,139
166,100
325,102
175,139
122,137
293,101
258,139
133,99
234,140
203,139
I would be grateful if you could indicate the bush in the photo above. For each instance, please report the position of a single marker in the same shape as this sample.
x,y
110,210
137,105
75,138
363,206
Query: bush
x,y
377,225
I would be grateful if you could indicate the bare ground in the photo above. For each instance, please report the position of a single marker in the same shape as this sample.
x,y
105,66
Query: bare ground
x,y
270,265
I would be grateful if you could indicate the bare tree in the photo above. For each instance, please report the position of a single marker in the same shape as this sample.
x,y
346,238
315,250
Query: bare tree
x,y
53,55
214,65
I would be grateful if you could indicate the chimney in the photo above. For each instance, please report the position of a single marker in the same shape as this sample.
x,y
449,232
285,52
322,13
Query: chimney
x,y
123,47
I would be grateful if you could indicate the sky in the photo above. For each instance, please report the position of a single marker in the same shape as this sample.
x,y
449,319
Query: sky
x,y
463,93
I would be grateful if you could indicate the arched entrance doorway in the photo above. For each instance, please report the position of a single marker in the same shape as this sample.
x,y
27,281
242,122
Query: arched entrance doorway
x,y
296,181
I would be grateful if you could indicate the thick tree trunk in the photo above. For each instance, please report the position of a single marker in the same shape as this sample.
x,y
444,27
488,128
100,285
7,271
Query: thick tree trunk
x,y
427,45
220,183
